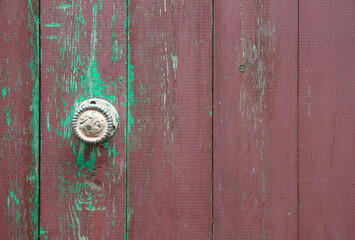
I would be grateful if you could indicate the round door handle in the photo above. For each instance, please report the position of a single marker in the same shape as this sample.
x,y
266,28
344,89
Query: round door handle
x,y
95,121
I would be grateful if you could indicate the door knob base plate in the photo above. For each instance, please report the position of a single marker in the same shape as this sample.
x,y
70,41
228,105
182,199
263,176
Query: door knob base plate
x,y
95,121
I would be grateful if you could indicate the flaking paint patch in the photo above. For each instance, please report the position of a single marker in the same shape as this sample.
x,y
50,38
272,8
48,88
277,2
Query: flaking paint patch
x,y
256,66
4,92
12,195
85,80
174,58
57,25
8,115
13,207
130,140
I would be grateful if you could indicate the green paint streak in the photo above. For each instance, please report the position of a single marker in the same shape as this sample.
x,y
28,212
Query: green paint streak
x,y
13,195
130,101
90,164
52,37
53,25
13,209
80,160
34,65
100,4
97,86
42,231
4,92
8,116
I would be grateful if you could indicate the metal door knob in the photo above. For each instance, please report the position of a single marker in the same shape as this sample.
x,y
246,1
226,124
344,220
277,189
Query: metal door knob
x,y
95,121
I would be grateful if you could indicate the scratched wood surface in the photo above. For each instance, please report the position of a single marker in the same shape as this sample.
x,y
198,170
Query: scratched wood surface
x,y
326,119
83,55
19,129
169,119
255,120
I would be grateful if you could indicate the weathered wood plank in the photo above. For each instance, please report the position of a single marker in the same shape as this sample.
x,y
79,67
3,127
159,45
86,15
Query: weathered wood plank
x,y
327,117
83,56
19,129
255,120
169,119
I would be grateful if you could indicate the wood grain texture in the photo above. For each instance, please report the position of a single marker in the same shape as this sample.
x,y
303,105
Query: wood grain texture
x,y
169,119
255,120
19,129
327,117
83,56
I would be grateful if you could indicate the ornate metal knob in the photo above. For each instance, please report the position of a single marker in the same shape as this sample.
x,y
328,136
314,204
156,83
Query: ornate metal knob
x,y
95,121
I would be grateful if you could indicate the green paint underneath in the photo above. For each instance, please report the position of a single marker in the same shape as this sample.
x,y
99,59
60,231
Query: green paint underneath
x,y
13,195
57,25
4,92
8,115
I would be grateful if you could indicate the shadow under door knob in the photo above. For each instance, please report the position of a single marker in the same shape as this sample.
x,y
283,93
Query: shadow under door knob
x,y
95,121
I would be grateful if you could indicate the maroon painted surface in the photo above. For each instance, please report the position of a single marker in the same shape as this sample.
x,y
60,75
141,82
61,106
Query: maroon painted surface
x,y
327,117
18,128
169,158
255,120
82,189
211,150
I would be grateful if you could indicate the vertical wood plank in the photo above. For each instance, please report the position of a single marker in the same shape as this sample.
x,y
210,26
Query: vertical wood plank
x,y
83,56
255,120
327,117
19,117
169,119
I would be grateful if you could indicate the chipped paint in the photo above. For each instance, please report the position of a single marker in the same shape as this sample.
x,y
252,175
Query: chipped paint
x,y
57,25
4,92
89,177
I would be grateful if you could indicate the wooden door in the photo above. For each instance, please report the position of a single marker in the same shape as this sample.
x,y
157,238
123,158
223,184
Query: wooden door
x,y
236,119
